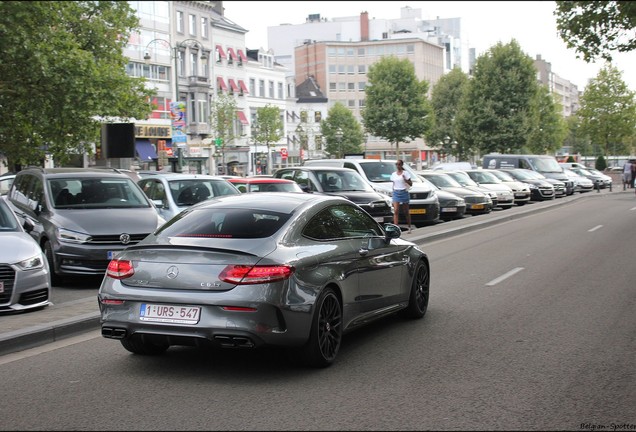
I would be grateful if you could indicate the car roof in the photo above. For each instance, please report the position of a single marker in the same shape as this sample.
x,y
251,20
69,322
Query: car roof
x,y
183,176
285,202
76,172
319,168
259,180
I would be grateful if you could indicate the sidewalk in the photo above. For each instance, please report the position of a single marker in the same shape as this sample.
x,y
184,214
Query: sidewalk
x,y
58,321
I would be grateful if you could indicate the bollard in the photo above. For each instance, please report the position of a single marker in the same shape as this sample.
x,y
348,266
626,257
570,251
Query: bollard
x,y
597,185
610,186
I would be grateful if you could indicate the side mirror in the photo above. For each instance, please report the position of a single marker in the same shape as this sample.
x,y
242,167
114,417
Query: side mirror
x,y
392,231
305,188
158,203
28,225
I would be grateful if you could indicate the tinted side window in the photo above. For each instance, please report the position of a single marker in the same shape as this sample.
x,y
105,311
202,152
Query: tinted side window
x,y
341,221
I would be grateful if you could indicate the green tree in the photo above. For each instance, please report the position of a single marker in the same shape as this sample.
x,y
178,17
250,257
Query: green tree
x,y
494,114
340,120
62,73
576,139
547,128
595,29
269,129
608,112
223,122
397,107
446,99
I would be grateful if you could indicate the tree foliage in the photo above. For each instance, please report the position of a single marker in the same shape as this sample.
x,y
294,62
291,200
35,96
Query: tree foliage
x,y
397,106
268,129
596,29
608,112
222,119
62,70
341,119
446,100
547,128
495,115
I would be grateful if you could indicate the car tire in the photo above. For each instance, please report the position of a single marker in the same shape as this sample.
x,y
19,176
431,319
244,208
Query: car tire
x,y
418,299
56,279
141,347
325,335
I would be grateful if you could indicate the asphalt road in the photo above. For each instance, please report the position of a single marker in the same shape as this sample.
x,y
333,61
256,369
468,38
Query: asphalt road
x,y
530,327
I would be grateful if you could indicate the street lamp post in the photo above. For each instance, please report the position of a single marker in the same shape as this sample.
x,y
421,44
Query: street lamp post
x,y
339,135
174,55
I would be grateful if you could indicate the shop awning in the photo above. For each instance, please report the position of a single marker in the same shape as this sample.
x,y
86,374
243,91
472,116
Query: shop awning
x,y
232,54
242,56
221,83
243,86
242,118
145,150
233,85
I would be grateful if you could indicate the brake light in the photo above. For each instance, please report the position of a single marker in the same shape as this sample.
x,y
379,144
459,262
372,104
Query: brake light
x,y
249,275
120,269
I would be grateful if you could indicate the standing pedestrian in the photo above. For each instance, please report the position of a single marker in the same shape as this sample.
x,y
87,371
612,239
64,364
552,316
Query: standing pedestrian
x,y
633,173
627,174
401,183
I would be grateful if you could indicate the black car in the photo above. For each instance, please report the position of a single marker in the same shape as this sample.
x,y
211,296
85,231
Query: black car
x,y
343,182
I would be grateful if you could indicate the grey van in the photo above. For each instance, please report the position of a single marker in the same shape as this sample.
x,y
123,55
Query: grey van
x,y
543,164
81,217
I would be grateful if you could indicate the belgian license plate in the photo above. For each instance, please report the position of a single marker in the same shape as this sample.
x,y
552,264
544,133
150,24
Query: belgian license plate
x,y
112,254
172,314
417,211
477,207
1,287
449,209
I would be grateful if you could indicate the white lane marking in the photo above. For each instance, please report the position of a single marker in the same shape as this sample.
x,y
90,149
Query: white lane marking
x,y
9,358
633,208
595,228
504,276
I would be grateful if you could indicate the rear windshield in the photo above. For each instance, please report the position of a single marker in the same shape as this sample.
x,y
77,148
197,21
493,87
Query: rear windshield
x,y
94,192
223,223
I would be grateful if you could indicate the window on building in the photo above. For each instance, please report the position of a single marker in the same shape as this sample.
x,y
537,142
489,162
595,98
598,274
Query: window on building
x,y
180,22
193,25
281,94
194,63
203,108
271,90
332,69
332,86
351,103
204,28
362,85
252,86
351,86
261,88
180,63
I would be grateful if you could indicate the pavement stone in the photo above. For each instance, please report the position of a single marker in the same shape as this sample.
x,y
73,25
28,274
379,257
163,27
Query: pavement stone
x,y
25,330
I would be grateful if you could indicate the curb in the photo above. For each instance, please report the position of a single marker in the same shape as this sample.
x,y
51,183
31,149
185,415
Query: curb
x,y
38,335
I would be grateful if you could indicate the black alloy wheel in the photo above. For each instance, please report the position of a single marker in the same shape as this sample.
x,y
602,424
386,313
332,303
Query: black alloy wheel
x,y
326,331
418,300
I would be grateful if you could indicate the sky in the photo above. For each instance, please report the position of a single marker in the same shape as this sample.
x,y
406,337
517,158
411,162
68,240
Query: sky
x,y
483,23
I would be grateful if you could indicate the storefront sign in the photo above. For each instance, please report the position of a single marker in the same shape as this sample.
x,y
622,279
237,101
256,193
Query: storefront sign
x,y
152,131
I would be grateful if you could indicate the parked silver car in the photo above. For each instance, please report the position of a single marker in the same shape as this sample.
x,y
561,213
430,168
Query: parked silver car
x,y
172,193
24,272
273,268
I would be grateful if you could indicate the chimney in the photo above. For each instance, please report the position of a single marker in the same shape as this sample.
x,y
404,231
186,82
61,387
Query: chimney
x,y
364,26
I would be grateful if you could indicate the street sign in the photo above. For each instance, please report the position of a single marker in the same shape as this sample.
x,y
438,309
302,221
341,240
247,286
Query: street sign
x,y
283,153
